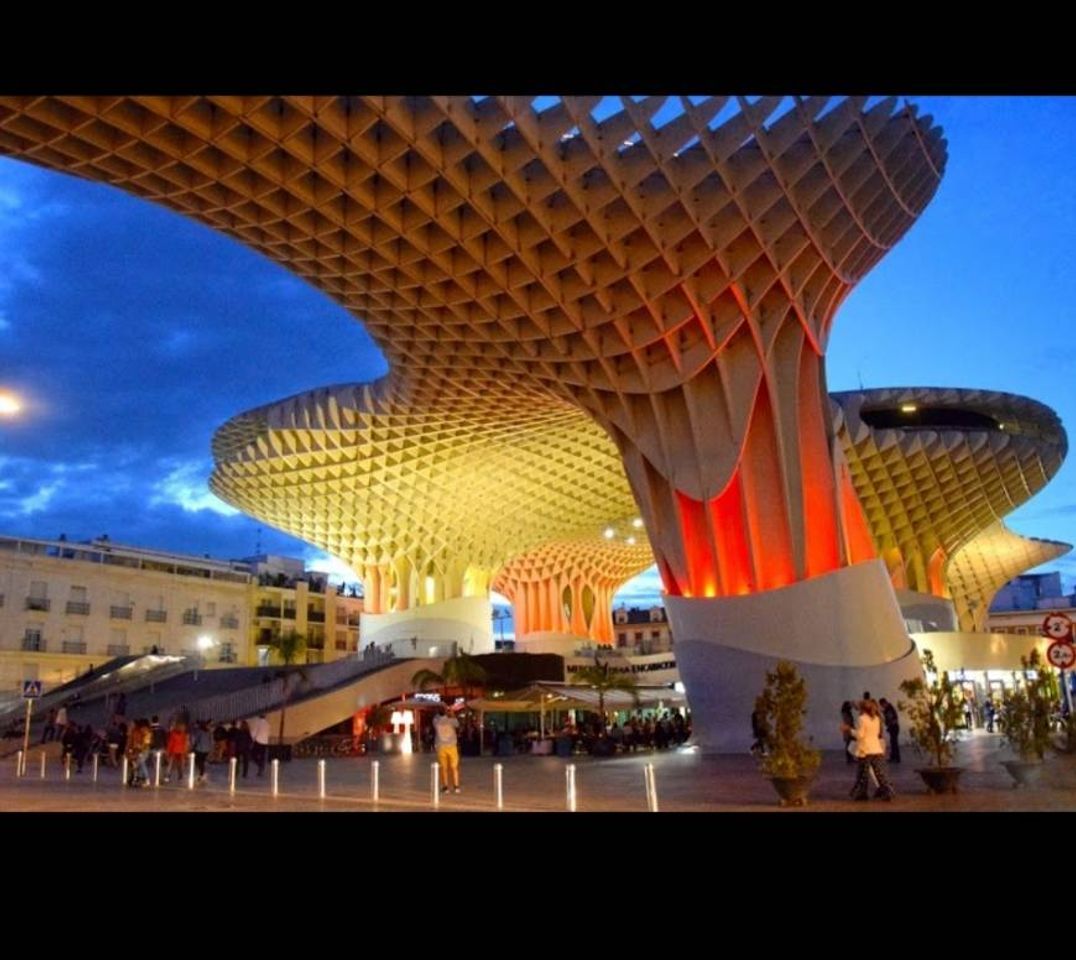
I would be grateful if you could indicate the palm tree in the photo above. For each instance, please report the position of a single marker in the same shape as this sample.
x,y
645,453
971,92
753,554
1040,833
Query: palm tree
x,y
461,670
602,678
290,647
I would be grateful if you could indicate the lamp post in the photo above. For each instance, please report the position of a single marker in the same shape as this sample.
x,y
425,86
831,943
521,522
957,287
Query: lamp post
x,y
204,643
10,405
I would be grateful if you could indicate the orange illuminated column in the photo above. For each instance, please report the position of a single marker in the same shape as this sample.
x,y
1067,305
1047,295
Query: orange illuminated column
x,y
567,587
734,470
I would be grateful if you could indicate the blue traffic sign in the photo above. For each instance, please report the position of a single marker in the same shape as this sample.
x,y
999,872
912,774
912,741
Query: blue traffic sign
x,y
31,689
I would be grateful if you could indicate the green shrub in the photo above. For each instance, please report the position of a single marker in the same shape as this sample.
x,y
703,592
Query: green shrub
x,y
781,707
933,713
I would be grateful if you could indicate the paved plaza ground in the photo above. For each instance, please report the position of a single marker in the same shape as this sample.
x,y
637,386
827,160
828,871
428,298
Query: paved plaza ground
x,y
686,782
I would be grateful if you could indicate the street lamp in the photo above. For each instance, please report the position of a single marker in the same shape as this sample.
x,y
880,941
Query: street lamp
x,y
204,643
9,404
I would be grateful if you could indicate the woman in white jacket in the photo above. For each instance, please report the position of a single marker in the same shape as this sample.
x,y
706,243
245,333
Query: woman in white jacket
x,y
870,751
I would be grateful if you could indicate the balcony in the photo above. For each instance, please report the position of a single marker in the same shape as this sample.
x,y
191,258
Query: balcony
x,y
118,650
192,618
156,616
229,623
34,644
119,613
289,613
74,646
315,616
38,603
268,610
78,606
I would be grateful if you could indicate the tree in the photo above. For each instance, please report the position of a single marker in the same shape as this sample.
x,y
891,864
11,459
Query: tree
x,y
290,647
779,711
462,671
603,678
1026,721
934,713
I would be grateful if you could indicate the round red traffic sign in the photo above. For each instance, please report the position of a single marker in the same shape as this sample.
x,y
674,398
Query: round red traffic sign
x,y
1061,655
1057,626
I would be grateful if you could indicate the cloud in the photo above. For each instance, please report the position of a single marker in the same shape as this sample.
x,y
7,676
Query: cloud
x,y
641,591
37,502
186,487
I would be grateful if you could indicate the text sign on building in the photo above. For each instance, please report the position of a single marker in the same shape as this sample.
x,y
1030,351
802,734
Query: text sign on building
x,y
1057,626
1061,655
31,689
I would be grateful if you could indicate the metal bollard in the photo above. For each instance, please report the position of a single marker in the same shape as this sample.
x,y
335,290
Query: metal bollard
x,y
18,764
123,782
67,766
190,771
569,781
233,763
498,784
375,780
435,791
42,764
157,768
321,779
276,777
651,788
96,759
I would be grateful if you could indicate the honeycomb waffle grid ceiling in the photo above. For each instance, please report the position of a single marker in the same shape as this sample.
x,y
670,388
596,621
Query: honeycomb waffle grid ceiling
x,y
481,239
929,490
980,568
503,254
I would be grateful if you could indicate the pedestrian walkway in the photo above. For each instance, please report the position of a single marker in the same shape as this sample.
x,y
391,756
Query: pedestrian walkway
x,y
686,781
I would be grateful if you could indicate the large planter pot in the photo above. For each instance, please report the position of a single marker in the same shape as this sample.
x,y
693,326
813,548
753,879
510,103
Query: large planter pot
x,y
792,790
940,779
1025,773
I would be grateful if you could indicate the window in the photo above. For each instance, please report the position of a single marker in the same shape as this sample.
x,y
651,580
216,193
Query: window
x,y
32,639
655,634
638,634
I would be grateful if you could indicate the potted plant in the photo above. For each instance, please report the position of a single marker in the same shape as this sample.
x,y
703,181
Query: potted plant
x,y
1026,722
934,714
788,760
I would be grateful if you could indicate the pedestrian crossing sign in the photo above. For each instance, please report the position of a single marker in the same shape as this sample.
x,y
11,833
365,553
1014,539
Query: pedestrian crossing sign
x,y
31,689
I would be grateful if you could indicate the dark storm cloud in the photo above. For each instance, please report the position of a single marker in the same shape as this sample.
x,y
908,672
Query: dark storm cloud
x,y
133,333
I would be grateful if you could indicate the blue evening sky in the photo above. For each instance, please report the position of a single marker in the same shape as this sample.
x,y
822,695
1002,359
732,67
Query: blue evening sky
x,y
132,333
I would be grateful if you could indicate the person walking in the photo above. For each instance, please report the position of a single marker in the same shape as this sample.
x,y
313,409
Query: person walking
x,y
177,751
870,752
259,735
758,733
243,742
448,756
201,744
847,722
892,728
